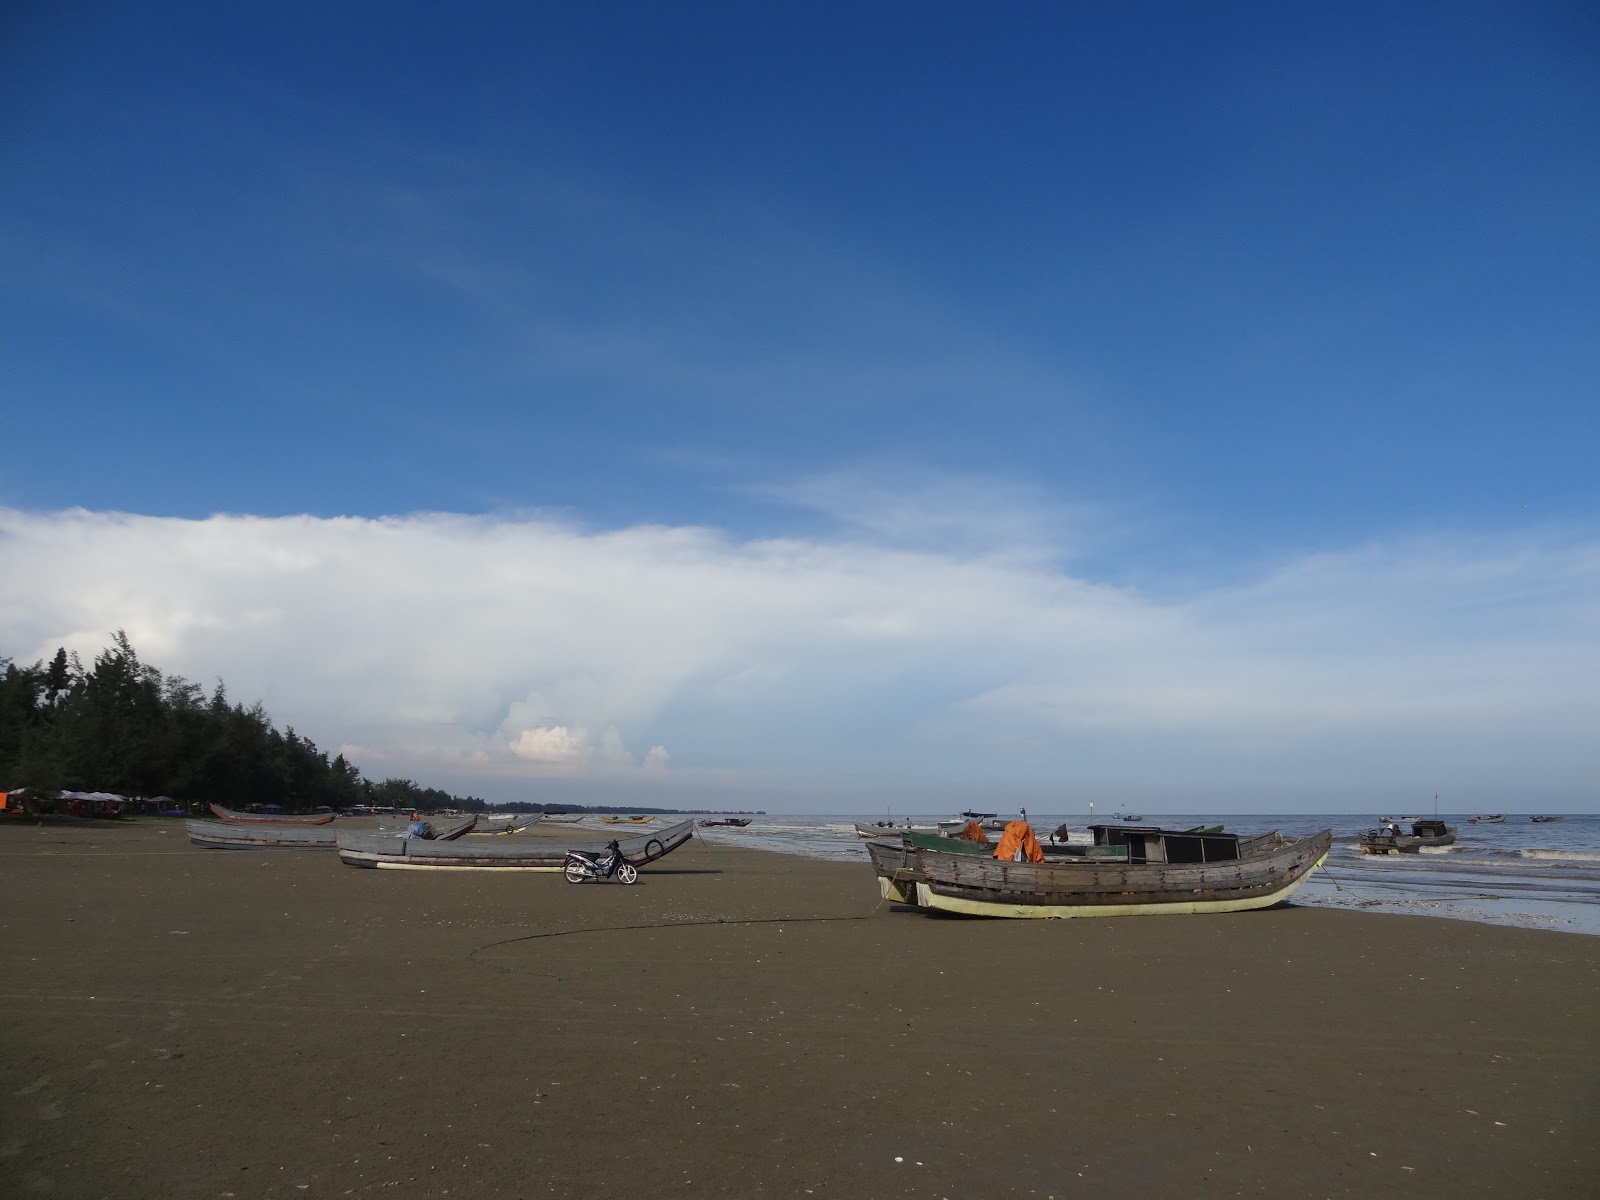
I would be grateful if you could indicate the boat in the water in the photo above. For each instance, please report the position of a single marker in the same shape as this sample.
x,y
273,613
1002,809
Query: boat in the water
x,y
1488,819
1544,820
525,854
271,818
726,823
1425,832
881,829
1127,872
1130,818
626,820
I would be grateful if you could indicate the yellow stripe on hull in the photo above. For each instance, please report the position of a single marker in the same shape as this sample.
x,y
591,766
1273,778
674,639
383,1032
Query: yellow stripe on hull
x,y
927,898
897,893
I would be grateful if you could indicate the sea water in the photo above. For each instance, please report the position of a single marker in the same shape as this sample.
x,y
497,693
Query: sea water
x,y
1519,873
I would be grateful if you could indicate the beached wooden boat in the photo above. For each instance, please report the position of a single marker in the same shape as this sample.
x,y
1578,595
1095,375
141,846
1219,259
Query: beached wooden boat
x,y
1488,819
898,873
443,831
389,851
234,835
1166,872
1424,833
937,841
511,823
256,818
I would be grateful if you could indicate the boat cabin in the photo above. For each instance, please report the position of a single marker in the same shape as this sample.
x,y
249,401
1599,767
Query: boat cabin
x,y
1151,844
1429,828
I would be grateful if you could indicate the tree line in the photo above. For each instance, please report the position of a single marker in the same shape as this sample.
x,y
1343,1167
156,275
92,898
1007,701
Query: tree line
x,y
122,726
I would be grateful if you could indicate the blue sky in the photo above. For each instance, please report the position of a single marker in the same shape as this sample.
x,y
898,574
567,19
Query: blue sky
x,y
1136,311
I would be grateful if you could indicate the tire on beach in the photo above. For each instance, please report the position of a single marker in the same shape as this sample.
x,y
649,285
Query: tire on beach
x,y
653,849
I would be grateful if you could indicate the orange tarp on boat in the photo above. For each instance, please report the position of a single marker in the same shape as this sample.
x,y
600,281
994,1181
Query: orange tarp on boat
x,y
1019,836
973,833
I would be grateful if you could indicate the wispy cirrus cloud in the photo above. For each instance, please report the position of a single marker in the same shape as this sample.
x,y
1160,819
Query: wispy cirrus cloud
x,y
498,654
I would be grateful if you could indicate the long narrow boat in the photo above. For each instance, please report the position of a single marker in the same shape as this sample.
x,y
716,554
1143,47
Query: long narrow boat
x,y
1488,819
399,826
509,823
228,835
1167,872
626,820
516,854
1543,820
247,818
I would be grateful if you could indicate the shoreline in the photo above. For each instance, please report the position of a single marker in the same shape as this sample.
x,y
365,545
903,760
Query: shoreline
x,y
193,1022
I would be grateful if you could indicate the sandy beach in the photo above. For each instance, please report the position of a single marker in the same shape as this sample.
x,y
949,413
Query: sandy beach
x,y
182,1022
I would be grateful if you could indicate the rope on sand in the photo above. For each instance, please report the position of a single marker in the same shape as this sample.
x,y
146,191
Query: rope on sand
x,y
555,933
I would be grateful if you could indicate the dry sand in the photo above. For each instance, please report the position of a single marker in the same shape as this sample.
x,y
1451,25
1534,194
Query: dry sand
x,y
180,1022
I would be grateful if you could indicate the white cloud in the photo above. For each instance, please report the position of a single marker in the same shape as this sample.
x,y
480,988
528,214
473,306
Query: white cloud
x,y
492,654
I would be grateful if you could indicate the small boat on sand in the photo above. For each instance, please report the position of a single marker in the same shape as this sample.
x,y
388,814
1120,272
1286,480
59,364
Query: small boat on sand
x,y
505,823
1426,832
501,854
447,831
271,818
1158,872
233,835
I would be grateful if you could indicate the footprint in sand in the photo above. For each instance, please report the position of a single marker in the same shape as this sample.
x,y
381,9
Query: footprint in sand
x,y
33,1087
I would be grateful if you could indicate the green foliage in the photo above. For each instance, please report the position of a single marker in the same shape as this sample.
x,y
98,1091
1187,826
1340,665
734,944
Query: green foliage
x,y
122,727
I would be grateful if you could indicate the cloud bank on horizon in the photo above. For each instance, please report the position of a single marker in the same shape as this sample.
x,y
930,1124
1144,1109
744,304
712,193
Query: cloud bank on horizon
x,y
524,656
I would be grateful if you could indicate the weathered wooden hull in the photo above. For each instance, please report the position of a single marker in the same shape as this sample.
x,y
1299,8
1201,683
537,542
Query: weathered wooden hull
x,y
410,854
897,870
244,818
1269,874
226,835
460,827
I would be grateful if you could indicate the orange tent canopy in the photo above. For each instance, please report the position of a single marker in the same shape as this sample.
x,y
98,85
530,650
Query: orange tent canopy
x,y
1019,836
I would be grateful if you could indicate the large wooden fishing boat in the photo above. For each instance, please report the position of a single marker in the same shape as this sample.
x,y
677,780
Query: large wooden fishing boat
x,y
231,835
1426,832
278,818
524,854
1165,872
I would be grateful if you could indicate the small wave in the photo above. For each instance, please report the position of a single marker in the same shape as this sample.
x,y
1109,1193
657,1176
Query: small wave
x,y
1572,856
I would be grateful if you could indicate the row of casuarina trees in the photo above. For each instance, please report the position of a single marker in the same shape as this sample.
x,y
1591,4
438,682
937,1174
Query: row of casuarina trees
x,y
122,726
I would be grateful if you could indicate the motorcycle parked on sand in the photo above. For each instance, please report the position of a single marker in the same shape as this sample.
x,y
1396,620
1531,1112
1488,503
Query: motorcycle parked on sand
x,y
581,866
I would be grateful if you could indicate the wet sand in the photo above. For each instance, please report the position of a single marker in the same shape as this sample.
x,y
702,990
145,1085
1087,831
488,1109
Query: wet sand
x,y
183,1022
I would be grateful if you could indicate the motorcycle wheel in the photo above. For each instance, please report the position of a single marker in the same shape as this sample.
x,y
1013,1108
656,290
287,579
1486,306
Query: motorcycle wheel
x,y
575,873
628,873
